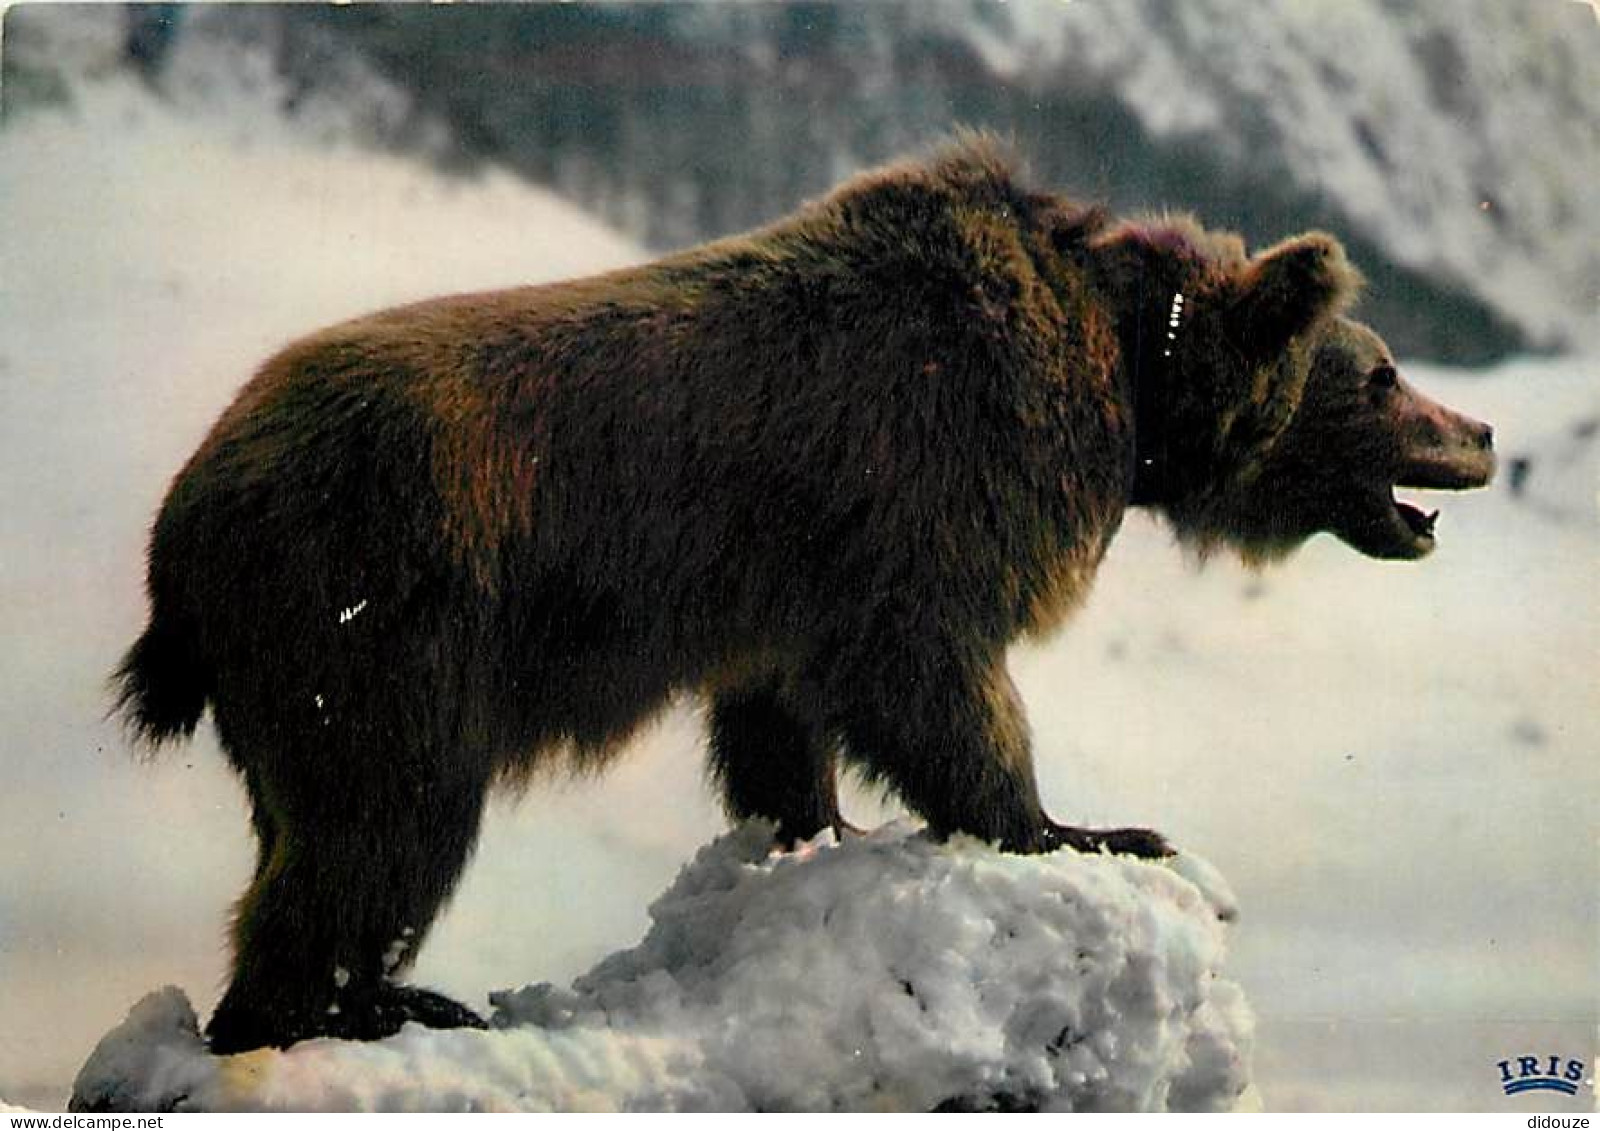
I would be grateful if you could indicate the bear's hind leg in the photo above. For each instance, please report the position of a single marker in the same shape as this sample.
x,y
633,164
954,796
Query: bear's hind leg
x,y
346,891
771,763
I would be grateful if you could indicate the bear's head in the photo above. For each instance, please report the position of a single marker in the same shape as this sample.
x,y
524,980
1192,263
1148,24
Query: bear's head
x,y
1264,415
1360,431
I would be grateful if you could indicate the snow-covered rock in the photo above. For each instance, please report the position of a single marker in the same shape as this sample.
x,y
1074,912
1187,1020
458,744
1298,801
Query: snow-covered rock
x,y
884,973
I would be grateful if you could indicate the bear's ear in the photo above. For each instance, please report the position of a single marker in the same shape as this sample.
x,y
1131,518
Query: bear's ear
x,y
1288,289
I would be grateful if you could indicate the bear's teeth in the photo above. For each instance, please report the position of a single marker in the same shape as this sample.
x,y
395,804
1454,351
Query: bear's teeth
x,y
1421,523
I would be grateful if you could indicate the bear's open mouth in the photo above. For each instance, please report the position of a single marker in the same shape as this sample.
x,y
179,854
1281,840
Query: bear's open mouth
x,y
1420,521
1415,528
1387,527
1410,528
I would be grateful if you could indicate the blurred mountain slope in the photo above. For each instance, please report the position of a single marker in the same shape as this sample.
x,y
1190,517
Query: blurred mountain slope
x,y
1451,142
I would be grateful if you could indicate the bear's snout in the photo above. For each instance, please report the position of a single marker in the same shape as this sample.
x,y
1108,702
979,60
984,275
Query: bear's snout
x,y
1446,450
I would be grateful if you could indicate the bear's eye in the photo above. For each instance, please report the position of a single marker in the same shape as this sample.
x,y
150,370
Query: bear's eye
x,y
1383,378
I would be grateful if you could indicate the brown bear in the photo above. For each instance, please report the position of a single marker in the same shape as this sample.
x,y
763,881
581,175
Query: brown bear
x,y
823,474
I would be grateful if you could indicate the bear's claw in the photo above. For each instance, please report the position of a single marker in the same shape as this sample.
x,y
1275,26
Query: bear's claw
x,y
428,1008
1144,843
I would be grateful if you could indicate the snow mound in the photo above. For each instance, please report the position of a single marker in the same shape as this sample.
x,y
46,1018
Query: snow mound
x,y
886,972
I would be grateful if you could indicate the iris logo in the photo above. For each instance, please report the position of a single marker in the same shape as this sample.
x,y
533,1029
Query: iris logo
x,y
1540,1074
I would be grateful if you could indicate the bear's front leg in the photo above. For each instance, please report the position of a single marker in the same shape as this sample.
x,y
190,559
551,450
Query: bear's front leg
x,y
946,729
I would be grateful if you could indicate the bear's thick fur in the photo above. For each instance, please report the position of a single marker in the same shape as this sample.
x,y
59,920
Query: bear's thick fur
x,y
824,474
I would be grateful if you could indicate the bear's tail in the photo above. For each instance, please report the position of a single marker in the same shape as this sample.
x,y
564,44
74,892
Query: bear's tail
x,y
163,682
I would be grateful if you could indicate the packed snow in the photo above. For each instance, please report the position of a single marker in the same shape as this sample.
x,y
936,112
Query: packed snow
x,y
1393,765
884,973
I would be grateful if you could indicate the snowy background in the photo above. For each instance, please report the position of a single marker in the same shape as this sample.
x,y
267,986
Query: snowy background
x,y
1394,765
